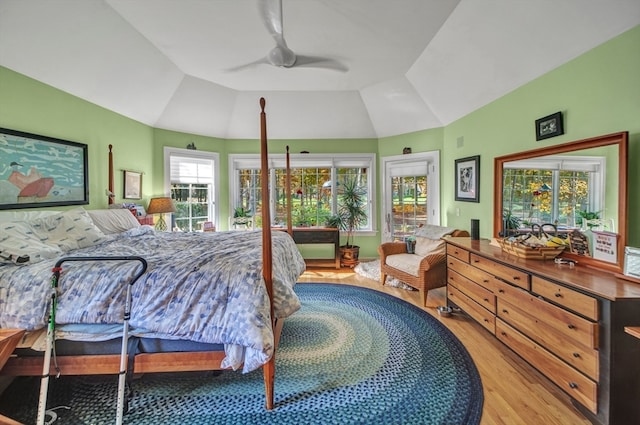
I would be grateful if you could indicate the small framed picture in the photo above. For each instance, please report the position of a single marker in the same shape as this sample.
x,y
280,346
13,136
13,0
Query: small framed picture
x,y
468,179
132,185
549,126
579,243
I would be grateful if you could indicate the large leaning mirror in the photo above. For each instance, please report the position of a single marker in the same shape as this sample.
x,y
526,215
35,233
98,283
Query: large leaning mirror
x,y
573,186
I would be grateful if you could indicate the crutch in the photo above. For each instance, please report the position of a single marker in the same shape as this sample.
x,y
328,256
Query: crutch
x,y
44,383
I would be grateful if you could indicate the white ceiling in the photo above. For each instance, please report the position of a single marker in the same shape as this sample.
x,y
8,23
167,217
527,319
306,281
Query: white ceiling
x,y
412,64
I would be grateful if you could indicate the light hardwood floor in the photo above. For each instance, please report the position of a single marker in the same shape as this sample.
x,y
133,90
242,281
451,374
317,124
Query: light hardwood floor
x,y
514,392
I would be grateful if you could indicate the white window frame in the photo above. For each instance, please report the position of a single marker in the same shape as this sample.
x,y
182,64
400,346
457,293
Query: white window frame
x,y
214,210
595,165
357,160
411,165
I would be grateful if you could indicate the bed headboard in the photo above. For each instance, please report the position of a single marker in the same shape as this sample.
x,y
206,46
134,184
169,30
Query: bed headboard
x,y
110,194
24,215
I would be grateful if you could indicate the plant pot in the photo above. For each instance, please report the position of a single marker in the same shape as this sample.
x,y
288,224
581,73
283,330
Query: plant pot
x,y
349,256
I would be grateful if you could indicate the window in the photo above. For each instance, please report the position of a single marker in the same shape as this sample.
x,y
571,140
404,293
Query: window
x,y
554,190
410,193
191,182
409,205
314,196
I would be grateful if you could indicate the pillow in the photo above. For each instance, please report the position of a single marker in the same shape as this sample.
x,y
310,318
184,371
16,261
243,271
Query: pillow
x,y
19,245
433,231
426,246
68,230
113,220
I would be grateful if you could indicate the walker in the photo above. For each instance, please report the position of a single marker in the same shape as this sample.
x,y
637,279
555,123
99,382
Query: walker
x,y
44,383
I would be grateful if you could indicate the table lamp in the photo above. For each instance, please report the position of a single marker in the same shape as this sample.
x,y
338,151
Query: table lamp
x,y
161,206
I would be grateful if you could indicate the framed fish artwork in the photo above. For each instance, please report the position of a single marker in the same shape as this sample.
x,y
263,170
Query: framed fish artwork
x,y
41,171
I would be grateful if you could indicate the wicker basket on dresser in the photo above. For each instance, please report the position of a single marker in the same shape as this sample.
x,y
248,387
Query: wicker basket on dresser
x,y
566,322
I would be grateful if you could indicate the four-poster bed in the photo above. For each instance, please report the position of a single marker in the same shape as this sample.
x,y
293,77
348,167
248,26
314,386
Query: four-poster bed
x,y
270,276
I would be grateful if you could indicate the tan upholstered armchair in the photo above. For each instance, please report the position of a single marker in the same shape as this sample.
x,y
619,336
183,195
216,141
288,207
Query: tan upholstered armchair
x,y
426,268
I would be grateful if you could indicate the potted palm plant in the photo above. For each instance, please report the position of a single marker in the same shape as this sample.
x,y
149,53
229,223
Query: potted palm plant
x,y
510,223
352,213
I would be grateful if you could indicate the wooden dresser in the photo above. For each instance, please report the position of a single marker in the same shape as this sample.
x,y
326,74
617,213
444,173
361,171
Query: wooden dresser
x,y
567,322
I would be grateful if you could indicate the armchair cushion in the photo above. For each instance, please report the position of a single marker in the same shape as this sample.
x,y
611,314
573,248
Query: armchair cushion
x,y
409,263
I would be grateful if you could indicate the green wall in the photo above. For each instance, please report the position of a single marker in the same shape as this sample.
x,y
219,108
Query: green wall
x,y
30,106
598,93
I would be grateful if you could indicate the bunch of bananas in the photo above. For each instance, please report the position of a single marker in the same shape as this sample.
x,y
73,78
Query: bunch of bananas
x,y
534,241
556,241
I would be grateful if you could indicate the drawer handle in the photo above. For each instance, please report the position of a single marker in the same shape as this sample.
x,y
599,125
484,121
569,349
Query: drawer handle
x,y
503,333
573,385
516,278
570,326
486,281
501,291
476,261
504,310
486,300
558,295
486,320
576,355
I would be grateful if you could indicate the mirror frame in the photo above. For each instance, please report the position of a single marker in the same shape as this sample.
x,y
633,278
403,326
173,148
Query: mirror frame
x,y
622,141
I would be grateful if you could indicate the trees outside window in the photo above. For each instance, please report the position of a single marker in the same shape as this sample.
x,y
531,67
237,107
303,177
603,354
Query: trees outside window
x,y
316,182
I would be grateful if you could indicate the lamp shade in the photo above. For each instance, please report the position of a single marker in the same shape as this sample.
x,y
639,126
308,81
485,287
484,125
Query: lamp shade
x,y
161,205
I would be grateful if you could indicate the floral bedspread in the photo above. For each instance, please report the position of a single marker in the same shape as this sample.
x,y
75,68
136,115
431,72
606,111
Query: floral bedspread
x,y
204,287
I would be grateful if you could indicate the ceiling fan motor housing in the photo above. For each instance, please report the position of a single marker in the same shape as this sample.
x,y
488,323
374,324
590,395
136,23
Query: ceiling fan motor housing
x,y
281,56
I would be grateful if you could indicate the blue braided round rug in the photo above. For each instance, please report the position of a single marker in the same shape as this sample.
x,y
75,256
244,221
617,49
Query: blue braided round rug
x,y
349,356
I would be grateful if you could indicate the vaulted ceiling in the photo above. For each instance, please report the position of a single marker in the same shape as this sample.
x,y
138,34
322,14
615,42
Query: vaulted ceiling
x,y
194,65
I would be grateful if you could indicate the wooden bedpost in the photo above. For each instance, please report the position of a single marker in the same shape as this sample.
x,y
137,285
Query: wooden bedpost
x,y
288,190
110,195
268,368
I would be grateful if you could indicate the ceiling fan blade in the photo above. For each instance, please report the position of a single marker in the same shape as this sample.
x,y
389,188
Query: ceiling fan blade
x,y
248,65
320,62
271,14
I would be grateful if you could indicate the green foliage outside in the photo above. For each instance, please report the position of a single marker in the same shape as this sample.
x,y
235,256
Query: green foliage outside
x,y
529,196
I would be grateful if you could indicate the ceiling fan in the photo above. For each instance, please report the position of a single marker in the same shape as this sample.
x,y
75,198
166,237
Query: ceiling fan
x,y
281,55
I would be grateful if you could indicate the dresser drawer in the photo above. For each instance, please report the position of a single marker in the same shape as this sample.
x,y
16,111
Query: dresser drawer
x,y
505,273
482,278
577,355
459,253
579,329
573,300
458,265
473,309
574,383
477,293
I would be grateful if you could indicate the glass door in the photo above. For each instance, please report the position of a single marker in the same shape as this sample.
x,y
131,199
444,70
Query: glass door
x,y
411,193
408,205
